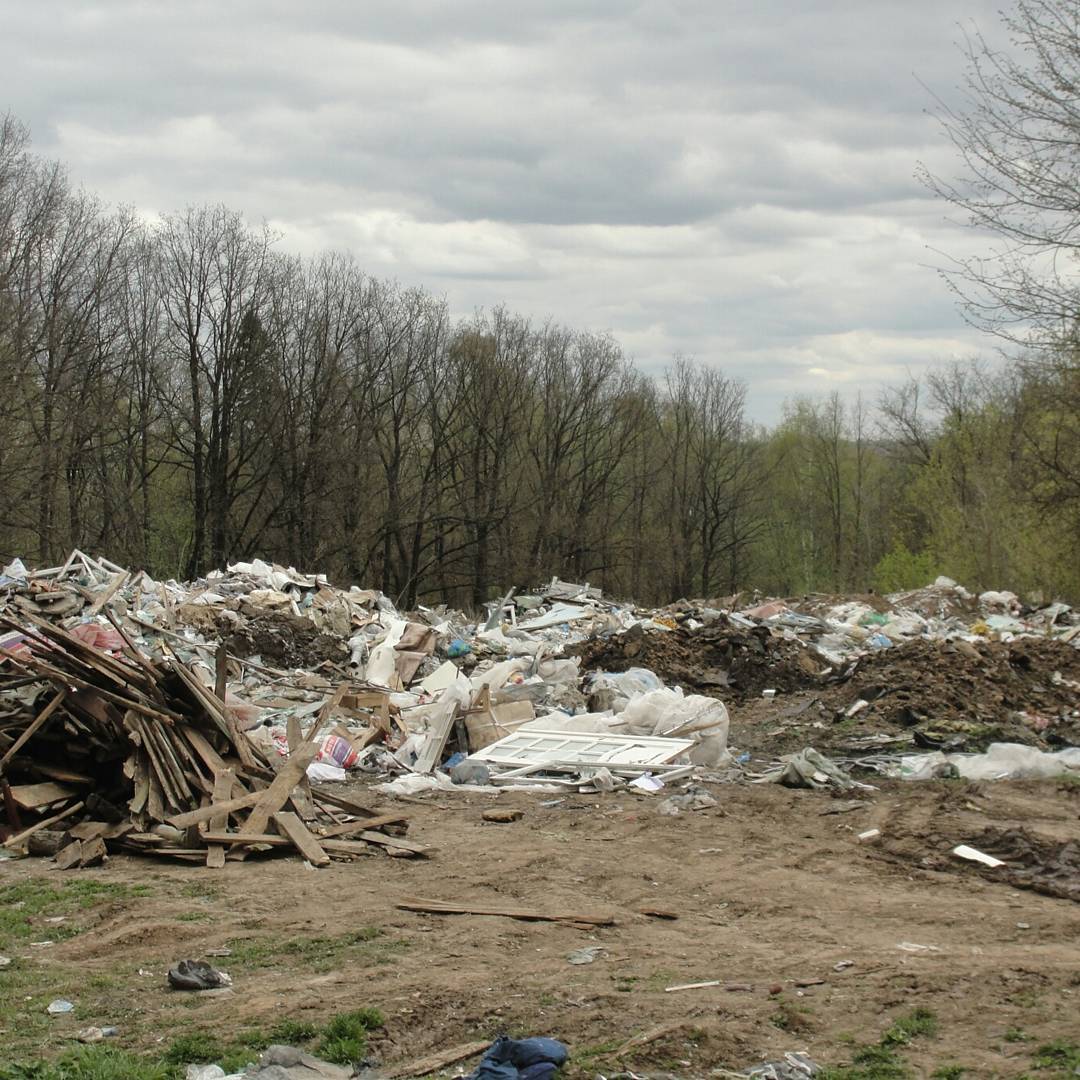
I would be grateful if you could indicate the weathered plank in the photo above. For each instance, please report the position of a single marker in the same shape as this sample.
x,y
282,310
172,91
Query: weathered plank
x,y
292,827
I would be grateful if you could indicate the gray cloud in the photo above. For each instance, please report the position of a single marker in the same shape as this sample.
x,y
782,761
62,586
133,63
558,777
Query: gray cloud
x,y
728,180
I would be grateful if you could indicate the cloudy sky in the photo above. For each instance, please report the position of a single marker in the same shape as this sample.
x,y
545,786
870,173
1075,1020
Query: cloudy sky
x,y
725,179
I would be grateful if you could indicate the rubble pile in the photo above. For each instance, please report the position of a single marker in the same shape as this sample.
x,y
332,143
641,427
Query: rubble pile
x,y
1024,690
734,661
145,747
205,720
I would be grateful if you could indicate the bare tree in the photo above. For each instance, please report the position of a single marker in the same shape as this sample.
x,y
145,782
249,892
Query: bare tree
x,y
1017,132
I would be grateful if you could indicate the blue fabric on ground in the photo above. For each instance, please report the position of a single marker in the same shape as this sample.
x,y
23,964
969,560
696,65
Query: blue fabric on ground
x,y
521,1059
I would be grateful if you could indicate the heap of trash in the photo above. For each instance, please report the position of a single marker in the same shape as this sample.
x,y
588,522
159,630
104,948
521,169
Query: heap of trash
x,y
207,720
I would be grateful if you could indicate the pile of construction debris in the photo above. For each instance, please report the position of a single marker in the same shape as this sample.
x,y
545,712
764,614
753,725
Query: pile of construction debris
x,y
113,745
205,720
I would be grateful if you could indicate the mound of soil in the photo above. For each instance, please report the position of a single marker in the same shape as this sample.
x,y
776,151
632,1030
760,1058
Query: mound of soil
x,y
720,660
285,641
1017,691
1025,691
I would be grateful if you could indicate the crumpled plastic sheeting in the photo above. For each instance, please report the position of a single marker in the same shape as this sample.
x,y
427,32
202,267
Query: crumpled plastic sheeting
x,y
795,1066
809,769
1002,761
672,714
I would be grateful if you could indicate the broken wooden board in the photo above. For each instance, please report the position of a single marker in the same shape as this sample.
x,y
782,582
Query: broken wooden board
x,y
275,796
433,1063
223,782
292,827
208,813
35,796
334,846
347,828
33,727
301,797
20,838
443,907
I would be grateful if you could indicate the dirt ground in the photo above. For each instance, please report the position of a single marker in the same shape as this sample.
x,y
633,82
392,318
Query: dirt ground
x,y
771,888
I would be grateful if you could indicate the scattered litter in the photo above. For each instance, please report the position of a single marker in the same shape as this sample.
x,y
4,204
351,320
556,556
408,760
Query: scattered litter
x,y
974,855
694,799
197,975
914,947
97,1034
442,907
586,955
692,986
204,1072
1001,761
793,1066
59,1007
809,769
843,965
869,836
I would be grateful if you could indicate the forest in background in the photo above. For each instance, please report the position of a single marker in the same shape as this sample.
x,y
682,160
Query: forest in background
x,y
182,393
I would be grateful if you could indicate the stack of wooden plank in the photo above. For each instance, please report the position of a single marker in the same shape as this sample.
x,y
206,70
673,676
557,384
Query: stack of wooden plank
x,y
121,752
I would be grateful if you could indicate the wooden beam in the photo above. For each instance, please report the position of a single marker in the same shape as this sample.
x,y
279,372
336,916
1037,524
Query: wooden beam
x,y
223,784
33,727
275,796
433,1063
348,827
292,827
208,813
18,838
443,907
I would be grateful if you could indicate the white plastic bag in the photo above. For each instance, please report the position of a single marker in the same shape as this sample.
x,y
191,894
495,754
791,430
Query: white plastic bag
x,y
669,713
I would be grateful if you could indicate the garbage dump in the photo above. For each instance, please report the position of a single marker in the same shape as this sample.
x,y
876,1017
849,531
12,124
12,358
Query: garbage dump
x,y
207,720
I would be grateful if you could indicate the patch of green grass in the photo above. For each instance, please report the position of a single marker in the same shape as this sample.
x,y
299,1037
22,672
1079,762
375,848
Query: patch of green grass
x,y
205,1048
344,1039
24,905
200,890
92,1063
916,1023
1016,1035
194,1048
791,1016
319,952
1026,999
587,1053
882,1062
194,916
292,1032
948,1072
1059,1055
659,979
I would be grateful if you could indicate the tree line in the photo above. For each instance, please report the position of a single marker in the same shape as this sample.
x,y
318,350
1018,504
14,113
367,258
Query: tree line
x,y
181,393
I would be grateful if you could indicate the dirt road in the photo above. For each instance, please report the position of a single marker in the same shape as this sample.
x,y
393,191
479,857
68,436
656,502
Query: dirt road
x,y
769,888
